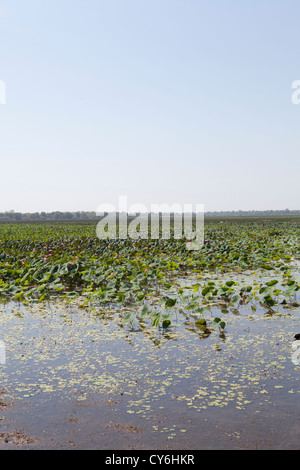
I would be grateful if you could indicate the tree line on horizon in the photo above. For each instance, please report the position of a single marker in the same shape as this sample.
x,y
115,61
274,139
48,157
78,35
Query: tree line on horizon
x,y
11,216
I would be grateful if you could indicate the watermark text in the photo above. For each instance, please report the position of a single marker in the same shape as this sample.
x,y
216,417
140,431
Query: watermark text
x,y
162,221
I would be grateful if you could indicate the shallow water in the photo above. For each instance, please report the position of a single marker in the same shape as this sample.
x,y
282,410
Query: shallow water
x,y
77,380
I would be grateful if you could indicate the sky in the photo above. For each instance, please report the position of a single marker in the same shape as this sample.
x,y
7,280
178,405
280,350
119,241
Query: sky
x,y
161,101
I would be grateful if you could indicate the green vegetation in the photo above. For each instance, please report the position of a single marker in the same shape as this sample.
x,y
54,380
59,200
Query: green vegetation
x,y
153,278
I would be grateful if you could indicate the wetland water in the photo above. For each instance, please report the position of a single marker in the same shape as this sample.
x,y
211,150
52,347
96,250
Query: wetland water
x,y
78,380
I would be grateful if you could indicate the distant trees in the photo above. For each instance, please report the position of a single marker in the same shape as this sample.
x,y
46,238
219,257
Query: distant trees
x,y
11,216
252,213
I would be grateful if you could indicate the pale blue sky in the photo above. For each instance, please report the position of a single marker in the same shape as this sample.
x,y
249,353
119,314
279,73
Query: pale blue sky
x,y
165,101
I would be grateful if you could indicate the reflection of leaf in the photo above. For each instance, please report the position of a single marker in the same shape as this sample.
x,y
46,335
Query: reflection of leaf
x,y
290,291
218,322
201,310
205,291
170,302
192,304
145,311
269,301
235,311
128,318
267,267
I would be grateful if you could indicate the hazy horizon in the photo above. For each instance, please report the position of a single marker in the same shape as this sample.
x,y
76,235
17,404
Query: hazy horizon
x,y
149,212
